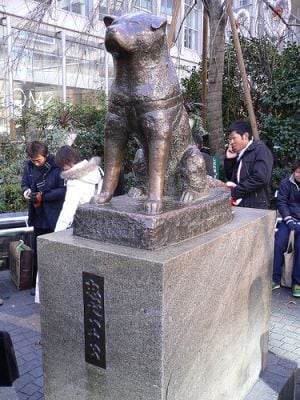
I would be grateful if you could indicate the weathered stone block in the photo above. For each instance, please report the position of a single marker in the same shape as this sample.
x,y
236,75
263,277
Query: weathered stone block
x,y
123,221
186,322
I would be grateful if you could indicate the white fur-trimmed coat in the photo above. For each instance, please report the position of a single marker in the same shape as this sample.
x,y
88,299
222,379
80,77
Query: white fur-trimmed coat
x,y
81,181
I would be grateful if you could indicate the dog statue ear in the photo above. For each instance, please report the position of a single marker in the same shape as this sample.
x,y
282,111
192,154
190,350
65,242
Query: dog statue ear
x,y
108,20
158,22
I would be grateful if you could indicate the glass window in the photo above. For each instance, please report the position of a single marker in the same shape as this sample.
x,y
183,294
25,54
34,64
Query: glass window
x,y
75,6
111,7
3,83
142,5
167,7
85,72
37,70
244,3
191,28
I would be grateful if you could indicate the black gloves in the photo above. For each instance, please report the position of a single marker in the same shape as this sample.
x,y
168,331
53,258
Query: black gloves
x,y
35,198
292,224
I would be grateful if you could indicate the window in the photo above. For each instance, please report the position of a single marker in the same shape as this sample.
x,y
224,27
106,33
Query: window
x,y
37,71
244,3
84,72
142,5
4,100
111,7
75,6
167,7
191,25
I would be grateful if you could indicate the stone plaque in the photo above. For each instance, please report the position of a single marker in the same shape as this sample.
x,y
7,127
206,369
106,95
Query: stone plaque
x,y
94,319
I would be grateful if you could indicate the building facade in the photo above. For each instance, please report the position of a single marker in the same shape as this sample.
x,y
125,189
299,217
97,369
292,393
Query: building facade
x,y
55,49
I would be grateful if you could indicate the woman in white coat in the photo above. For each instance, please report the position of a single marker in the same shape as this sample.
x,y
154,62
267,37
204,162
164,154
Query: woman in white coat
x,y
82,178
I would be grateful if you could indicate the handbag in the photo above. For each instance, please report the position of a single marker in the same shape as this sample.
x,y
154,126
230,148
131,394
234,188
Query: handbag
x,y
288,261
20,264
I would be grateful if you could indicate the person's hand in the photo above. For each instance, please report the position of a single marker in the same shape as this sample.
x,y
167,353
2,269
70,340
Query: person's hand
x,y
35,198
230,185
230,153
235,202
292,224
26,194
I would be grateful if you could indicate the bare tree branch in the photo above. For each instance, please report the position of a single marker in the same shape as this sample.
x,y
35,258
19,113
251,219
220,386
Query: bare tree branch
x,y
183,19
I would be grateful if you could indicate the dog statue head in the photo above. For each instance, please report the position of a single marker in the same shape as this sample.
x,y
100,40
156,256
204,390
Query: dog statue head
x,y
131,33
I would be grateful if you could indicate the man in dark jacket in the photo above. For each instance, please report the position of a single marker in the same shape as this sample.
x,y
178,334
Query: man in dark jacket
x,y
44,189
288,204
248,166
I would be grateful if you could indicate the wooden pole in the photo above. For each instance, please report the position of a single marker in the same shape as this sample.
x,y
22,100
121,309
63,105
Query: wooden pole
x,y
239,54
204,67
172,30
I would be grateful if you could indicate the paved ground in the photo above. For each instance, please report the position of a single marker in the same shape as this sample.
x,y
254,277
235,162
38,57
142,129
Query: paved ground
x,y
19,315
285,328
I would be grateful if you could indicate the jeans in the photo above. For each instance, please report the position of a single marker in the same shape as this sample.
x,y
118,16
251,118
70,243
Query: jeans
x,y
280,247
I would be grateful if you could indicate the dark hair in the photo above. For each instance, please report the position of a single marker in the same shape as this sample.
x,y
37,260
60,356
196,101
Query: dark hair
x,y
241,127
296,165
66,155
36,148
197,139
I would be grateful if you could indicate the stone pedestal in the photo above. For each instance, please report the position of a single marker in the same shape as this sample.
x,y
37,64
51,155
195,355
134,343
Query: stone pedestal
x,y
123,220
186,322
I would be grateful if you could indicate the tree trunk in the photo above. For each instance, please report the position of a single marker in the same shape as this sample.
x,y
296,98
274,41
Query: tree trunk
x,y
217,22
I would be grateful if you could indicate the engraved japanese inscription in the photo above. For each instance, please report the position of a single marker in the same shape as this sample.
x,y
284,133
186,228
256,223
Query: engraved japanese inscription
x,y
94,319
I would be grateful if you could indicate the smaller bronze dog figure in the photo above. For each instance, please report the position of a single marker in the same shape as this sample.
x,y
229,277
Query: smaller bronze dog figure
x,y
145,101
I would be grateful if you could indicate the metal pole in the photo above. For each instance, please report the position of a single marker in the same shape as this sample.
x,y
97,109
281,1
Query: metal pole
x,y
106,72
11,120
64,67
204,66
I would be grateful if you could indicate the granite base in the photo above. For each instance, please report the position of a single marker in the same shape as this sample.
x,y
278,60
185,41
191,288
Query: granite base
x,y
186,322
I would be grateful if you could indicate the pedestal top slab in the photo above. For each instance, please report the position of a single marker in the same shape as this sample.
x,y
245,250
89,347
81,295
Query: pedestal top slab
x,y
123,221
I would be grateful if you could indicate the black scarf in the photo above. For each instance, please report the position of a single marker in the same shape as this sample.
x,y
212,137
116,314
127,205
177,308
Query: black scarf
x,y
40,173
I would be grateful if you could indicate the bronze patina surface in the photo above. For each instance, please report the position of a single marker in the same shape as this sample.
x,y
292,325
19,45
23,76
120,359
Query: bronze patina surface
x,y
146,102
123,221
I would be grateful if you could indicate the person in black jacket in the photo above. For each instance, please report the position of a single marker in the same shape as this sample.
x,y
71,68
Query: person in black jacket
x,y
288,204
44,189
248,166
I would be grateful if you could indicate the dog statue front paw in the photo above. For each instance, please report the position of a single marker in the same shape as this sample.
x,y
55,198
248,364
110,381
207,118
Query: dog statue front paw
x,y
189,196
152,207
101,198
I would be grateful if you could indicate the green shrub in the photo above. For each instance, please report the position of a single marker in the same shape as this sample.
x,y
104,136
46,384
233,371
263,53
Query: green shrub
x,y
13,201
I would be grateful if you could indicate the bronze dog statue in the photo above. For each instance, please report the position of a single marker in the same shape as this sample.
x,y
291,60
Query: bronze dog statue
x,y
145,101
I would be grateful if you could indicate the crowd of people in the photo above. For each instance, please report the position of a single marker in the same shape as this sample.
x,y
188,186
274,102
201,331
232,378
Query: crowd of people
x,y
55,186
